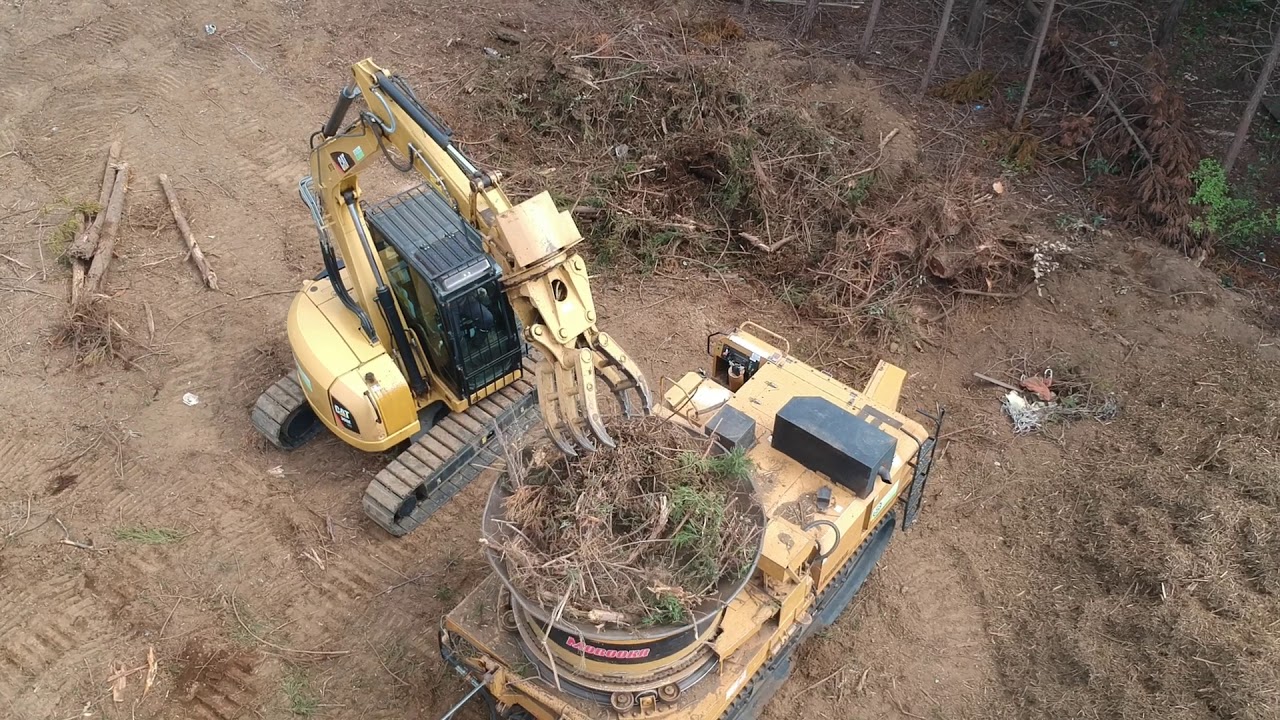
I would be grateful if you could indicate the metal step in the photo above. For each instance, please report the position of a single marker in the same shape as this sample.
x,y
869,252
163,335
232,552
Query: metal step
x,y
449,456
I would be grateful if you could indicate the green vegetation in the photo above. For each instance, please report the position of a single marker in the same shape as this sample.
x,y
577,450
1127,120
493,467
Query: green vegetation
x,y
1097,167
667,610
736,189
857,193
650,250
1234,220
67,230
699,513
148,536
733,465
297,691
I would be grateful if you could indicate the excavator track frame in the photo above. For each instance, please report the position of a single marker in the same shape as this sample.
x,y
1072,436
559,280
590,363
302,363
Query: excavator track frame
x,y
441,462
283,415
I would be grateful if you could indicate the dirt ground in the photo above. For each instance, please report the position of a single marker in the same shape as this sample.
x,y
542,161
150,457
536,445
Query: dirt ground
x,y
1127,569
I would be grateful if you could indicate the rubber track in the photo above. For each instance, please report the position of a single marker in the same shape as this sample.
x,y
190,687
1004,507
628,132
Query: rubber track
x,y
275,406
748,704
450,455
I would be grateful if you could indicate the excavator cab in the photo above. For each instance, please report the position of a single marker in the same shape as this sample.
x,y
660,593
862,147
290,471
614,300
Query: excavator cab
x,y
448,289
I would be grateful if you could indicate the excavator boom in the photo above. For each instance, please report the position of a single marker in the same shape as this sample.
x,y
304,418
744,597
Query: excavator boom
x,y
532,242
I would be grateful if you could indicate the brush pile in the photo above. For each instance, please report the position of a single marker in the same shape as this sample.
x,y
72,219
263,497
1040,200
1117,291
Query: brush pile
x,y
642,534
674,145
1132,132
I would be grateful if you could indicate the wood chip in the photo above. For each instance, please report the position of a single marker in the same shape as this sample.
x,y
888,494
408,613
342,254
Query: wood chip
x,y
151,670
118,685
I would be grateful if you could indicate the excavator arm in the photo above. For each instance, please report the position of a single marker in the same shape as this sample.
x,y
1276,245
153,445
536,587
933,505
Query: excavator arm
x,y
532,242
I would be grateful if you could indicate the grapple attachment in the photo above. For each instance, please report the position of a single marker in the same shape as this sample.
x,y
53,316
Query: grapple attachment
x,y
567,389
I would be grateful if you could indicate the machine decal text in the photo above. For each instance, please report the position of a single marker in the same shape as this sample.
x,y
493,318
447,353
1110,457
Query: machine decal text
x,y
344,417
582,647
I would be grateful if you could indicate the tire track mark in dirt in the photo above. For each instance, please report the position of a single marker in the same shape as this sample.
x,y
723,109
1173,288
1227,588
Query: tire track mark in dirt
x,y
917,597
37,475
214,683
281,162
22,461
166,84
47,84
366,577
49,634
52,55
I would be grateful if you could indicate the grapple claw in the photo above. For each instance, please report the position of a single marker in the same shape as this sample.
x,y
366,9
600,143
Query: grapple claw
x,y
567,389
549,404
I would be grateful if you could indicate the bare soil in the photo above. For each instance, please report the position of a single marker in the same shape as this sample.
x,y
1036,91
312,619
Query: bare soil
x,y
1127,569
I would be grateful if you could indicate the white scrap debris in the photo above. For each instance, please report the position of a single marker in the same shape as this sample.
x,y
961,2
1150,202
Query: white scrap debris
x,y
1026,416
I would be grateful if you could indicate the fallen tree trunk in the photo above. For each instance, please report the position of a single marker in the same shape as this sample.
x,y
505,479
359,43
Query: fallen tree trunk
x,y
193,250
107,239
84,245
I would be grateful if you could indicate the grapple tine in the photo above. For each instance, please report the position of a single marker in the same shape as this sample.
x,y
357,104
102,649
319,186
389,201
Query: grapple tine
x,y
614,378
589,404
615,356
568,384
549,403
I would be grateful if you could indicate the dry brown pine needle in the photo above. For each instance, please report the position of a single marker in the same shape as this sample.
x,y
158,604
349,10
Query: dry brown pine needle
x,y
650,529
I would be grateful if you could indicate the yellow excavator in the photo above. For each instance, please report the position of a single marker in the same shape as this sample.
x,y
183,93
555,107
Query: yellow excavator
x,y
434,309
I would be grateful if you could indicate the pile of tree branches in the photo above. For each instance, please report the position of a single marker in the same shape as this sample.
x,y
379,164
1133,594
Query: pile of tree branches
x,y
642,534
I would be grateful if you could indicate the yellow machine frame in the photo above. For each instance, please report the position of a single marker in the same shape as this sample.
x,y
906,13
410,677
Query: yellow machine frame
x,y
801,566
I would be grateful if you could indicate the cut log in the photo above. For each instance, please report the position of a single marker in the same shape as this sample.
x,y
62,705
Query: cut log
x,y
193,250
87,240
107,239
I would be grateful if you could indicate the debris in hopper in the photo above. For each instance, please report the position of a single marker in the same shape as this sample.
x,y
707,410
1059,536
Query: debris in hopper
x,y
641,534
